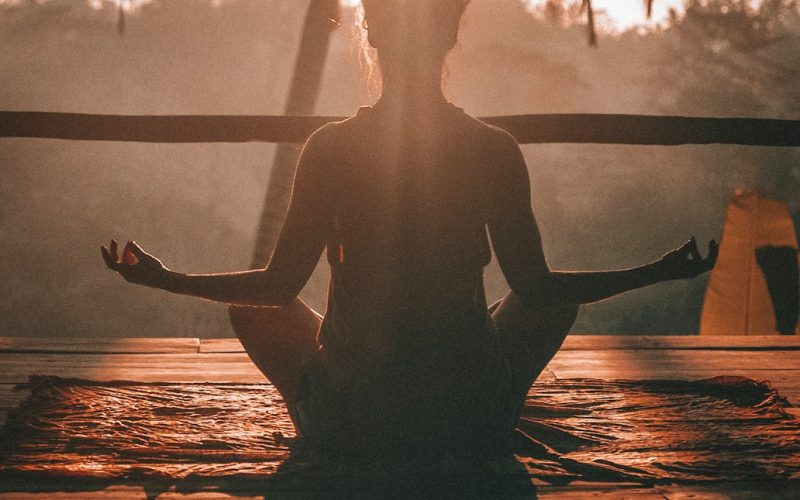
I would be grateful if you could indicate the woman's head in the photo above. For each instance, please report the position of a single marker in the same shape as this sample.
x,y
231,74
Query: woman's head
x,y
412,32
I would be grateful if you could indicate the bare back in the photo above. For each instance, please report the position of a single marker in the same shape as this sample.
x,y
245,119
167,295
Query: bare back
x,y
407,242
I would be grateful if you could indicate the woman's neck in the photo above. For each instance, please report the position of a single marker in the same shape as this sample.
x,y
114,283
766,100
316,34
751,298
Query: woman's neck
x,y
414,89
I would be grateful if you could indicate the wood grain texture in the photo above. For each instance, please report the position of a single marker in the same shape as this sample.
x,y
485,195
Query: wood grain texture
x,y
179,368
220,345
679,359
99,345
577,491
110,493
615,342
680,342
772,358
10,396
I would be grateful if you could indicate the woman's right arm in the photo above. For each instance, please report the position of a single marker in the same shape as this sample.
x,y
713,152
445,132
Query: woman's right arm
x,y
297,251
256,287
518,246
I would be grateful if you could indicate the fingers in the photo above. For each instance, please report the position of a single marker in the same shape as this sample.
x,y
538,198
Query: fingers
x,y
693,250
113,250
689,251
110,261
713,253
713,249
110,255
136,249
692,261
132,254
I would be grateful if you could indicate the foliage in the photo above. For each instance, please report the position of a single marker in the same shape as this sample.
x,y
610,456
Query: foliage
x,y
728,58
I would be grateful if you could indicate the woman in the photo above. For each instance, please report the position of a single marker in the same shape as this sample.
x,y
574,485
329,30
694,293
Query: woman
x,y
407,358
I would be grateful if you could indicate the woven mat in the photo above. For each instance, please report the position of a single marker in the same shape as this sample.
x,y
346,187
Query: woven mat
x,y
667,431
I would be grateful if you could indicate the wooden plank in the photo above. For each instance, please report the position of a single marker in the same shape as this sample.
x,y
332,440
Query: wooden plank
x,y
582,360
740,491
99,345
149,359
182,368
658,342
727,342
220,345
573,342
176,375
786,382
602,492
15,367
615,342
679,359
792,393
605,342
577,491
110,493
547,374
210,495
725,491
10,396
527,129
786,379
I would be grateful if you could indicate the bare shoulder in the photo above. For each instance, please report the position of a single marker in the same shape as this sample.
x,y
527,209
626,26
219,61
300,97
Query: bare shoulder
x,y
492,137
323,138
503,141
323,147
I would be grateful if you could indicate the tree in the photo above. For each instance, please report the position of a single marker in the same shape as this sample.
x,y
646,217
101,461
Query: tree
x,y
729,58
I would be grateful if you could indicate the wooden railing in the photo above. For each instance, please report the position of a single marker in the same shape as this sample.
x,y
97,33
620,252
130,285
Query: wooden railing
x,y
528,129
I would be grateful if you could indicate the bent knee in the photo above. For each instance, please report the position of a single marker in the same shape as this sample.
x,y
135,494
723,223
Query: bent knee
x,y
511,316
294,326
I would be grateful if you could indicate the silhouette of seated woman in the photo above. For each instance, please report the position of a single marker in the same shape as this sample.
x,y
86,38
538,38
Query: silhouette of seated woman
x,y
407,358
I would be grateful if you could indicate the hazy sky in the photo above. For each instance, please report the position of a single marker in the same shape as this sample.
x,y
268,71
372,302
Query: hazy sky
x,y
624,14
612,14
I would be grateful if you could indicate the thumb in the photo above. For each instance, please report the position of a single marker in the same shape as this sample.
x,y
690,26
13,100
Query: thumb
x,y
132,254
136,249
694,251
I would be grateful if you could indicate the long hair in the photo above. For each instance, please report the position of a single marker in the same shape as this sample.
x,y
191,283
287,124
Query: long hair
x,y
367,55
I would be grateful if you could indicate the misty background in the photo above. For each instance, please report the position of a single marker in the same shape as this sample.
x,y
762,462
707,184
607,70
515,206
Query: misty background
x,y
197,206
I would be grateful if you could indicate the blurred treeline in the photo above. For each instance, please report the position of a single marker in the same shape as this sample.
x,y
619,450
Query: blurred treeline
x,y
196,206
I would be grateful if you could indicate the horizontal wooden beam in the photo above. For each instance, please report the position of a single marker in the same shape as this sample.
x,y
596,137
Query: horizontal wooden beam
x,y
528,129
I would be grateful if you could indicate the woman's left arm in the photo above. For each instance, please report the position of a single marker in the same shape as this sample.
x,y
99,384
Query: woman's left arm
x,y
518,245
296,253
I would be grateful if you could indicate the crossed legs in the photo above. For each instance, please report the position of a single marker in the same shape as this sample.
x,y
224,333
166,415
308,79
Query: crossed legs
x,y
530,337
279,339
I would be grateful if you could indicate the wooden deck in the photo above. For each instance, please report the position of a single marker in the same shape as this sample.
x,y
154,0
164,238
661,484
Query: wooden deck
x,y
187,360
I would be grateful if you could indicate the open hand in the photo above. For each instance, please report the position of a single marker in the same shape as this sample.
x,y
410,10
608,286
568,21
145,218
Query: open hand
x,y
135,265
686,261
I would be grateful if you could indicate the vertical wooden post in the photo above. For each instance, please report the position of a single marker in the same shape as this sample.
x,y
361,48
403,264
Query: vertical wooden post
x,y
320,21
590,25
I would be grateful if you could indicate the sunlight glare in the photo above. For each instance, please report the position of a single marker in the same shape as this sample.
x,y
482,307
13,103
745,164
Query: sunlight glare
x,y
621,15
615,15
